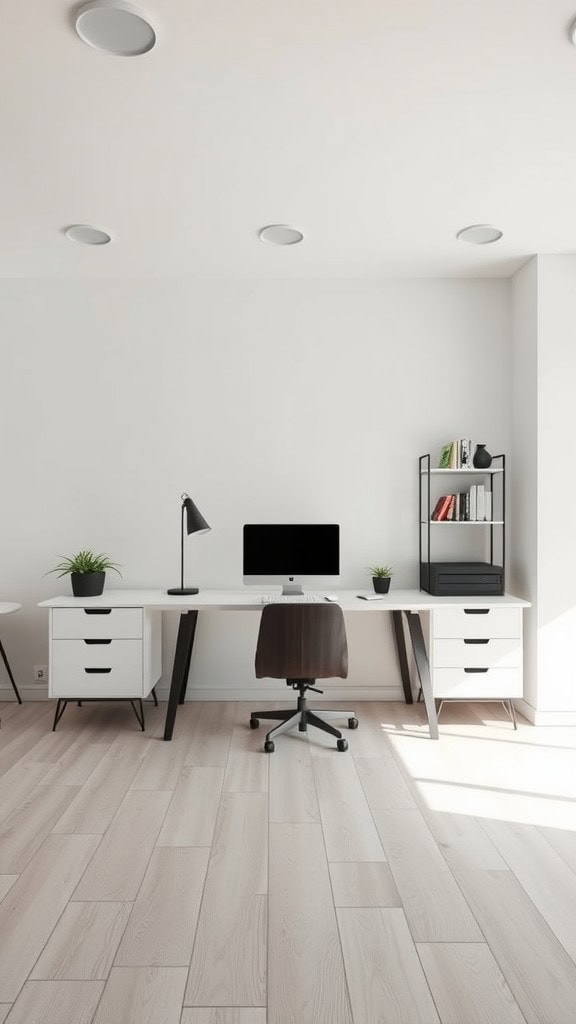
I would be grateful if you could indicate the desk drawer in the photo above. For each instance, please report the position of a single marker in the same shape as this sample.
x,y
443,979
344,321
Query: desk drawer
x,y
476,622
494,683
88,623
80,669
473,653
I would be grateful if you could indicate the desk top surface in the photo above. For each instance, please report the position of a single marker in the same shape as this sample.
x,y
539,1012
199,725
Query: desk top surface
x,y
9,606
250,600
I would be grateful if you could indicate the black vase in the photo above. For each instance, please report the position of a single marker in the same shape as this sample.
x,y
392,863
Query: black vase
x,y
482,459
87,584
381,584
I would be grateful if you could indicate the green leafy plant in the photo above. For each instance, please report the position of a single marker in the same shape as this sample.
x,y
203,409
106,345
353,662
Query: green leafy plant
x,y
83,562
380,571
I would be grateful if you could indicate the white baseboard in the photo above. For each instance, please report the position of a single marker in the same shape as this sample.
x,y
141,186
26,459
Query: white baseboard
x,y
27,693
545,717
258,693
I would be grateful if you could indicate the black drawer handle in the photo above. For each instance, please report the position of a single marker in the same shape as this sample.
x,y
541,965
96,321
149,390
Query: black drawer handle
x,y
476,641
97,641
97,611
476,611
469,670
94,671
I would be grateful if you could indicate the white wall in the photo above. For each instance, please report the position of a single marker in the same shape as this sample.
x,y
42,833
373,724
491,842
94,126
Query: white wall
x,y
544,489
557,483
524,463
303,401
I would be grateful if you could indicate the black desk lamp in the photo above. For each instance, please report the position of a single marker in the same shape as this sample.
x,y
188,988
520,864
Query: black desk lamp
x,y
195,523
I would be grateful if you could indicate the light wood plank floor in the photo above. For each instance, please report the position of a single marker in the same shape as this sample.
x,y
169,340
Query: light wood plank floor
x,y
205,882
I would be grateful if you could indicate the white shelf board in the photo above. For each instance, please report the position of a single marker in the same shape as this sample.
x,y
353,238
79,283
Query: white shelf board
x,y
462,522
475,472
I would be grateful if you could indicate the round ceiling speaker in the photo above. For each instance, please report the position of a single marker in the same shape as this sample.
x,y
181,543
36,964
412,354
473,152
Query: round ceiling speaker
x,y
87,235
479,234
280,234
115,27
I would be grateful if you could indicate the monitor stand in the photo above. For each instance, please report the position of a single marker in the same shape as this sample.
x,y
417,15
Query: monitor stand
x,y
292,589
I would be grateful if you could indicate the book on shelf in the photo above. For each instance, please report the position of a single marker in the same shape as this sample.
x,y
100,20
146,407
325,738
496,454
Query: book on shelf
x,y
441,508
445,456
473,505
488,506
456,455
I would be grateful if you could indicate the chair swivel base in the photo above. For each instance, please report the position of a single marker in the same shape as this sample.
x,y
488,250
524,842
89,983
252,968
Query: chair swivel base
x,y
302,717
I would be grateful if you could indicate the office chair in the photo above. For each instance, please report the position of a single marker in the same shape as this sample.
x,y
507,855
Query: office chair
x,y
302,643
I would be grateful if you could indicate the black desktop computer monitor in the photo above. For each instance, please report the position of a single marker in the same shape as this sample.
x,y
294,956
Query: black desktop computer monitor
x,y
291,554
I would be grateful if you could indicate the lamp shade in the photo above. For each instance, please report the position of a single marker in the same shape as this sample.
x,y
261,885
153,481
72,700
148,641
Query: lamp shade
x,y
195,522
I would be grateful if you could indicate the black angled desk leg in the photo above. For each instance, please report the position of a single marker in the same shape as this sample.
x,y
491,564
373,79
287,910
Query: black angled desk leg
x,y
180,668
423,666
9,671
193,617
402,656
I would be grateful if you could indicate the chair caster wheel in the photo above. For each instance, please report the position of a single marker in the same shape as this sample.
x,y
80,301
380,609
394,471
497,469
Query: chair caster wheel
x,y
342,744
352,723
269,747
254,723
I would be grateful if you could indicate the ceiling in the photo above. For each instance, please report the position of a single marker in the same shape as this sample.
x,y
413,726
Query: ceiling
x,y
378,127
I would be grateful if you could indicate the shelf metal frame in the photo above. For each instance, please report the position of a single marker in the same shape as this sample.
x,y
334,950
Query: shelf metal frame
x,y
497,470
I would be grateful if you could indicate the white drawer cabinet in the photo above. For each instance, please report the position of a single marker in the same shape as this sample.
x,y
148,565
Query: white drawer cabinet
x,y
97,623
477,683
474,622
104,653
476,653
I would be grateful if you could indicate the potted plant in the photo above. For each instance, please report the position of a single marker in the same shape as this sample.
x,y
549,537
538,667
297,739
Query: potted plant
x,y
87,572
381,578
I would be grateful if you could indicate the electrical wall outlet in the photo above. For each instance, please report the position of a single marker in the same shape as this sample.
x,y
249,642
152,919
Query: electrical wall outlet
x,y
40,673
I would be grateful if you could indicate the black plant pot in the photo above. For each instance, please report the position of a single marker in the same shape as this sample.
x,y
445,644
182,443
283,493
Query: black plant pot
x,y
381,584
482,459
87,584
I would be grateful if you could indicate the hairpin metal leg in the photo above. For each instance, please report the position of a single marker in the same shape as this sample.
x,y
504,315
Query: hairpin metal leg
x,y
59,712
155,697
9,671
511,711
140,716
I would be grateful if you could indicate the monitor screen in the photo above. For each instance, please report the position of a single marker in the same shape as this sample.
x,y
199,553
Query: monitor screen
x,y
282,553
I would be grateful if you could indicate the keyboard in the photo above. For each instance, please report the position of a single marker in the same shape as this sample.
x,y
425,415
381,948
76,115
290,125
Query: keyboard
x,y
292,599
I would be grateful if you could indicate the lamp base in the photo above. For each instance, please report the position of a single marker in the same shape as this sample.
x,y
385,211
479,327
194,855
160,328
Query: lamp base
x,y
182,591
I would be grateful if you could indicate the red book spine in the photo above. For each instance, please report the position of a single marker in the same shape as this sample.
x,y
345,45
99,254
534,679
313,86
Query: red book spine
x,y
442,507
438,507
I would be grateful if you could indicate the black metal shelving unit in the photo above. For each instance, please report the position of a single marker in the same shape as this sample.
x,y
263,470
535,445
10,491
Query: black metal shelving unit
x,y
496,475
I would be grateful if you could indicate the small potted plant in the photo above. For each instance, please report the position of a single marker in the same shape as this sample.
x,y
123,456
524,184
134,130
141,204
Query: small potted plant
x,y
87,572
381,578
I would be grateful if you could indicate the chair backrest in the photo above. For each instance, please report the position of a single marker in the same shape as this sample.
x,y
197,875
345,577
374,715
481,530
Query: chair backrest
x,y
302,641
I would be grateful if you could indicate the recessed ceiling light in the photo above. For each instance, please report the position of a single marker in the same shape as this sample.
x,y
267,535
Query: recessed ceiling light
x,y
114,26
479,234
280,234
87,235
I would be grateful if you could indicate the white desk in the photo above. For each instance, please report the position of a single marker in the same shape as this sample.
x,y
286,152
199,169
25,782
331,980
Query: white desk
x,y
400,602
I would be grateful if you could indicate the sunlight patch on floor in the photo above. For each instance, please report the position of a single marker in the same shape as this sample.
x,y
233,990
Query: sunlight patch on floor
x,y
482,767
